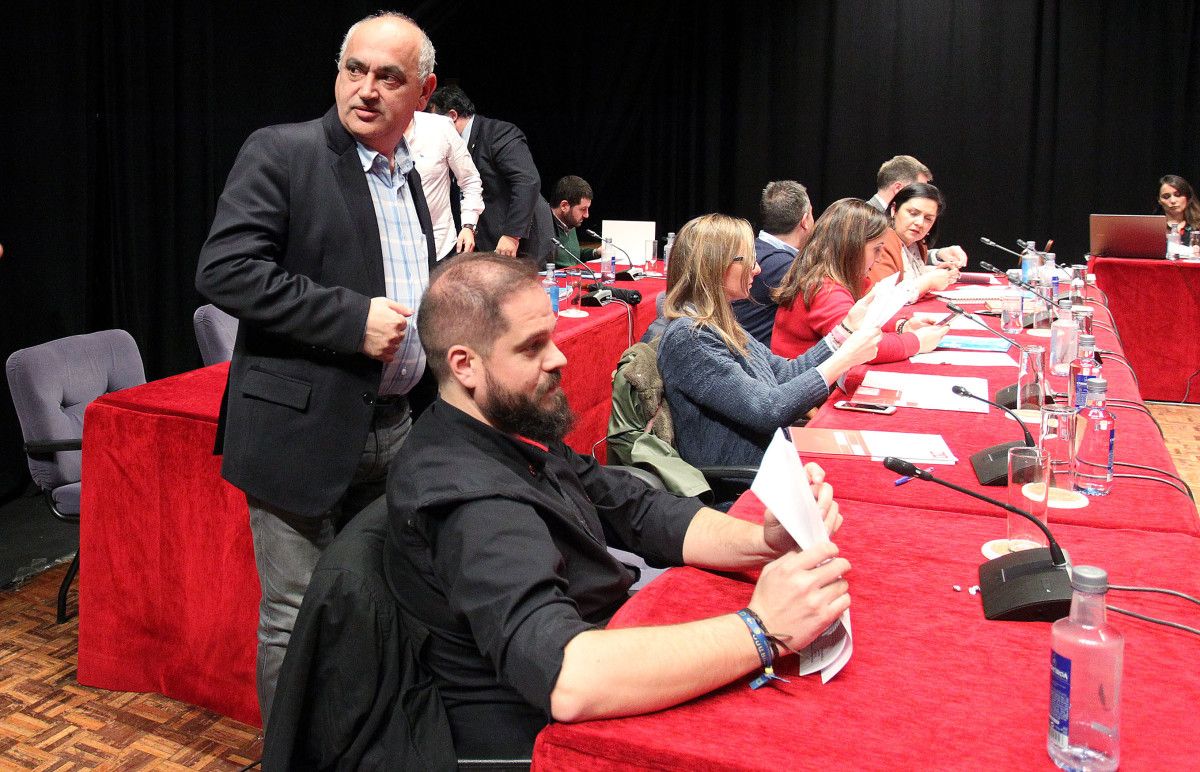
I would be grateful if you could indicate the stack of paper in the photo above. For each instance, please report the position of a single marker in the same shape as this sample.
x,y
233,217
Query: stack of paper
x,y
928,392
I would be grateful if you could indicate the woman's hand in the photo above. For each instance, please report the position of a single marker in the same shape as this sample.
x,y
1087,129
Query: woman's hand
x,y
930,335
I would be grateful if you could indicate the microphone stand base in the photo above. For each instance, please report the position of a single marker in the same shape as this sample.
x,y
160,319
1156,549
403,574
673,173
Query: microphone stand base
x,y
991,464
1008,396
1025,586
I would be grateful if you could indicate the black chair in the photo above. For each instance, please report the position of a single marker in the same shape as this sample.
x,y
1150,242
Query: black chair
x,y
51,385
352,692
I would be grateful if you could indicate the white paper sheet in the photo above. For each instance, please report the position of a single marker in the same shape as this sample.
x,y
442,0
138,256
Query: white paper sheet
x,y
967,358
886,302
978,294
782,484
930,392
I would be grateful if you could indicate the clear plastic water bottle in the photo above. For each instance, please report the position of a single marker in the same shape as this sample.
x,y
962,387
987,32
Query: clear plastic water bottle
x,y
1172,244
1029,262
608,271
1097,438
667,252
551,287
1083,318
1050,270
1086,655
1064,339
1083,367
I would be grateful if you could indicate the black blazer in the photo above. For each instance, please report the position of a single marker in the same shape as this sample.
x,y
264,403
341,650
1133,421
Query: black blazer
x,y
511,186
294,254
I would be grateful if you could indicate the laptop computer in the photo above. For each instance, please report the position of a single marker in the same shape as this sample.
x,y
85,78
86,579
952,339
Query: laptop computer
x,y
1129,235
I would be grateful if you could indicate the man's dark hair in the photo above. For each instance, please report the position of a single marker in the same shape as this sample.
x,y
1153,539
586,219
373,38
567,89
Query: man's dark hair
x,y
449,98
921,190
782,206
901,168
463,304
571,189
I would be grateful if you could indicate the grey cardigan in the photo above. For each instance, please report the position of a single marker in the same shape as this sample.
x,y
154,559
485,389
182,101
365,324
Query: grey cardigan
x,y
727,406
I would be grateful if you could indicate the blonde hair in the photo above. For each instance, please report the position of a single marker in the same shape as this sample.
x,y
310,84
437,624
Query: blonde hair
x,y
704,249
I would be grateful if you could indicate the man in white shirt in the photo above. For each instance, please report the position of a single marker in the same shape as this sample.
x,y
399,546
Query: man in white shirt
x,y
438,150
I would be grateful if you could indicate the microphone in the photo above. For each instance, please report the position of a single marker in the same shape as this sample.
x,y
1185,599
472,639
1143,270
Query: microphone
x,y
622,275
989,267
1006,397
991,243
1026,586
991,464
958,310
574,257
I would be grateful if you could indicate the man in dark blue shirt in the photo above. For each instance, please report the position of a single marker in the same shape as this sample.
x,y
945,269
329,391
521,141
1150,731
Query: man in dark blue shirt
x,y
786,218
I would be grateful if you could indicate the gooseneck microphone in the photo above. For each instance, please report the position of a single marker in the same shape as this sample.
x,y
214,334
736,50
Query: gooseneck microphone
x,y
991,243
958,310
595,235
1025,586
574,257
991,464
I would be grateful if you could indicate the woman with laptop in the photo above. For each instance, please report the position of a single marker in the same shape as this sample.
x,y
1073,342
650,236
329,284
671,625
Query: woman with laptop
x,y
1178,202
823,284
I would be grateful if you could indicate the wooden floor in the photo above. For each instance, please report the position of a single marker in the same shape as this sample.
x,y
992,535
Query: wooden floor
x,y
48,722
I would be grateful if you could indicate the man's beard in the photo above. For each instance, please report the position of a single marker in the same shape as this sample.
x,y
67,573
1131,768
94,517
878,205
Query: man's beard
x,y
521,414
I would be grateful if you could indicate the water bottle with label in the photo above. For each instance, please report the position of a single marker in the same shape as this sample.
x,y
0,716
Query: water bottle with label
x,y
1097,440
1172,244
608,270
1064,339
1029,262
1086,656
1084,366
550,286
667,252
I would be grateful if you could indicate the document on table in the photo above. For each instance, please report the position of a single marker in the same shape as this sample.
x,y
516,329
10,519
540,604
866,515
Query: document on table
x,y
927,392
967,358
782,485
917,448
978,294
974,343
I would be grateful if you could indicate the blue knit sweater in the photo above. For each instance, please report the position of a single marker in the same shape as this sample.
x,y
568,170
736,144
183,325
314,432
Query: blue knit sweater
x,y
726,407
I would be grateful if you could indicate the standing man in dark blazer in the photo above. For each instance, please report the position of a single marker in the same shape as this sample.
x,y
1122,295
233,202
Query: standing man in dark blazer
x,y
321,246
509,224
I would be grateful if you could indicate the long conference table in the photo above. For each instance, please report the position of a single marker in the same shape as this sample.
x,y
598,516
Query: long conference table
x,y
1156,304
931,683
168,592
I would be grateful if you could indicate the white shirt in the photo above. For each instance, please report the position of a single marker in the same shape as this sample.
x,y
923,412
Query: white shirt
x,y
438,150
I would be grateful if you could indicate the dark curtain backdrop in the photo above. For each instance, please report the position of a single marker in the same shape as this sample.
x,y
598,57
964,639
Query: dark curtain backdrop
x,y
121,120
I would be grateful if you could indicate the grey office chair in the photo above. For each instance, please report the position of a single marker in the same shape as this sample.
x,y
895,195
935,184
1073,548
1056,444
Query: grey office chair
x,y
215,333
51,385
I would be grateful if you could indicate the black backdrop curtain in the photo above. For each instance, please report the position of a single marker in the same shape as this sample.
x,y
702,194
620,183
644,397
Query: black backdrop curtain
x,y
121,121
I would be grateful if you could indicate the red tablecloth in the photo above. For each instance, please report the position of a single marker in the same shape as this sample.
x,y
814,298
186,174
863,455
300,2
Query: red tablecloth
x,y
168,592
1156,304
932,684
1131,504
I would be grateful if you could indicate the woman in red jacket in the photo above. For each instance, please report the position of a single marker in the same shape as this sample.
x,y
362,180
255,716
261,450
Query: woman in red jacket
x,y
831,274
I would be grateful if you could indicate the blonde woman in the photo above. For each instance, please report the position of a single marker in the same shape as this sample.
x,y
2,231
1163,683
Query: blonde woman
x,y
727,392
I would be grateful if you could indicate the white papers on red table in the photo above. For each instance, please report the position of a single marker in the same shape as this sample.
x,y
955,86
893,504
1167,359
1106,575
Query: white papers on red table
x,y
927,392
965,358
978,294
917,448
782,485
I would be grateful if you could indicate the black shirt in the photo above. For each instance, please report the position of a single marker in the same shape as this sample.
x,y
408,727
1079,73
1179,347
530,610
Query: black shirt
x,y
498,547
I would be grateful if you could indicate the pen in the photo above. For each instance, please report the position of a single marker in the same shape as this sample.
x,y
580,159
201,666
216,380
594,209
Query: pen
x,y
906,478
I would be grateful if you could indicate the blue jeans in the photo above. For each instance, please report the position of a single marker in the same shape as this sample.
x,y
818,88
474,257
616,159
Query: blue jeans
x,y
287,546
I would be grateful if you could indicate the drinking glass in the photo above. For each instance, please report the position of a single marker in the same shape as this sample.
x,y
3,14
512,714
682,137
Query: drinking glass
x,y
1010,315
1027,491
650,252
1031,378
1057,440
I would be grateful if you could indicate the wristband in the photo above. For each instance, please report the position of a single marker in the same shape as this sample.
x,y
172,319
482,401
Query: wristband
x,y
763,645
900,326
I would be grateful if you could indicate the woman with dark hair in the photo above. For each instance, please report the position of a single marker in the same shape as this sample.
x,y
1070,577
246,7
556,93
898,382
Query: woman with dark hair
x,y
726,391
1178,202
825,282
915,212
